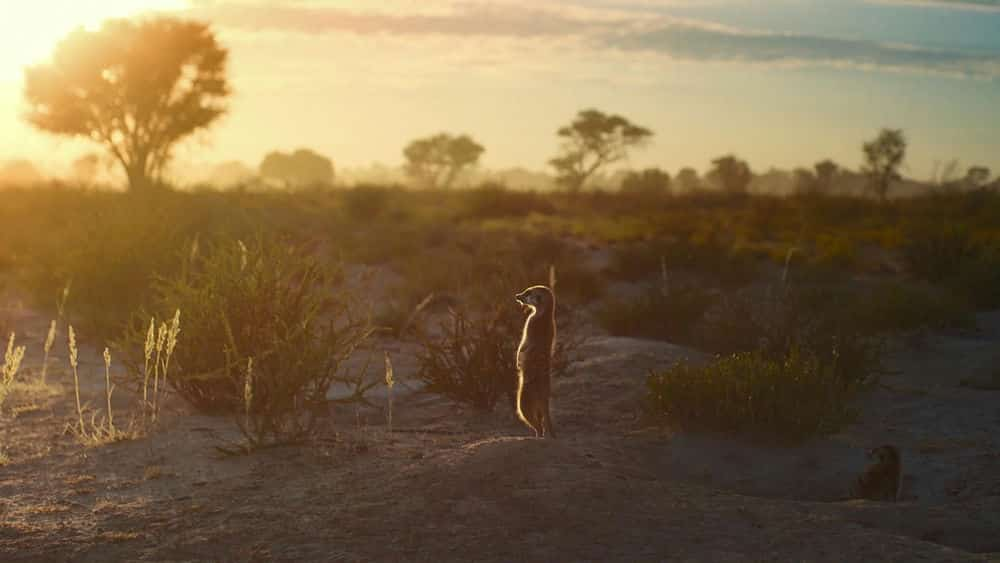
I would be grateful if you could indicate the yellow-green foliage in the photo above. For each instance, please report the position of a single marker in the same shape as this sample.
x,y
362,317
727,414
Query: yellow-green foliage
x,y
786,399
265,300
11,364
111,246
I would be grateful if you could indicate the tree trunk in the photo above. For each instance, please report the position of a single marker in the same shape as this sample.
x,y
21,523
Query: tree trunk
x,y
138,180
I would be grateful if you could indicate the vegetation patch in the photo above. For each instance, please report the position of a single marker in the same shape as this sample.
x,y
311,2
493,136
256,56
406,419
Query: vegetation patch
x,y
266,333
787,399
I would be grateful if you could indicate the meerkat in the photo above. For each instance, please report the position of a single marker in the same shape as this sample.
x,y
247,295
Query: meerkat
x,y
534,359
882,478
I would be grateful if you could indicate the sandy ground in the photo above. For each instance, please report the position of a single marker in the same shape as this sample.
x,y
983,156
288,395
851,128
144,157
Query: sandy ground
x,y
608,489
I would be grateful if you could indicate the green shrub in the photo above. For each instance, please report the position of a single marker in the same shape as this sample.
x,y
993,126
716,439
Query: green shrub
x,y
111,247
267,304
656,313
835,252
786,399
817,321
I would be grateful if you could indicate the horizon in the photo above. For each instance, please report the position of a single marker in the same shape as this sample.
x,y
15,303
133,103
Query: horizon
x,y
781,85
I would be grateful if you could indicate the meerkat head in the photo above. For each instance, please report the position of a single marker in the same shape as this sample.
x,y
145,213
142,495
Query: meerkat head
x,y
537,297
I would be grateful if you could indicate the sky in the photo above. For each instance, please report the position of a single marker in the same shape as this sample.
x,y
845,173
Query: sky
x,y
780,83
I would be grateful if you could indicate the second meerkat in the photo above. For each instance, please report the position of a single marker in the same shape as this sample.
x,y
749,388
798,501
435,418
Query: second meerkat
x,y
534,359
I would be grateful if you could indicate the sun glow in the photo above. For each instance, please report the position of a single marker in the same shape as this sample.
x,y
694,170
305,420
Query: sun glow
x,y
31,30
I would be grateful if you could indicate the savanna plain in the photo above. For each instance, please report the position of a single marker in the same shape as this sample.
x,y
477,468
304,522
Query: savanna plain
x,y
328,374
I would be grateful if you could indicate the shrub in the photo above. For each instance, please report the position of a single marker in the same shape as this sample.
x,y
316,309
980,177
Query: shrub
x,y
726,265
112,247
656,313
471,360
838,252
495,201
269,304
897,307
937,252
819,322
788,399
471,356
956,256
366,202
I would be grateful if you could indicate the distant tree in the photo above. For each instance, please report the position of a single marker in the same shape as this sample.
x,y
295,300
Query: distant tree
x,y
806,181
826,175
85,169
299,169
591,141
687,179
138,88
883,157
19,173
436,161
977,176
731,174
650,182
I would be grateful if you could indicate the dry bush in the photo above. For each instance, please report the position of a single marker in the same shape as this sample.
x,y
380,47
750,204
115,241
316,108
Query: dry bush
x,y
470,355
267,305
471,359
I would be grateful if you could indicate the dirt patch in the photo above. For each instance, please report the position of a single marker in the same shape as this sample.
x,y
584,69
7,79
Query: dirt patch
x,y
461,485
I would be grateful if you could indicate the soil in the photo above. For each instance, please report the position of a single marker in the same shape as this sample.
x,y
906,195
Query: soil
x,y
463,485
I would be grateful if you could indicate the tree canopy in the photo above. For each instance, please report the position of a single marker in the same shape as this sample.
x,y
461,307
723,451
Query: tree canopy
x,y
731,174
137,87
436,161
687,179
977,176
593,140
883,157
649,182
299,169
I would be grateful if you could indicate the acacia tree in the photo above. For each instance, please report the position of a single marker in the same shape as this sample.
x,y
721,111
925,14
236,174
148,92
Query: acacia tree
x,y
732,174
883,157
138,88
593,140
436,161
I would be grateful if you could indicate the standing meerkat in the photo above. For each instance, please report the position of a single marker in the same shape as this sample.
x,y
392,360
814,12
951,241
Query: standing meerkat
x,y
882,478
534,359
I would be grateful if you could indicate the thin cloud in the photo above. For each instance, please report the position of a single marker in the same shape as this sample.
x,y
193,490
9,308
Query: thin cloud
x,y
505,20
977,5
721,44
607,28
